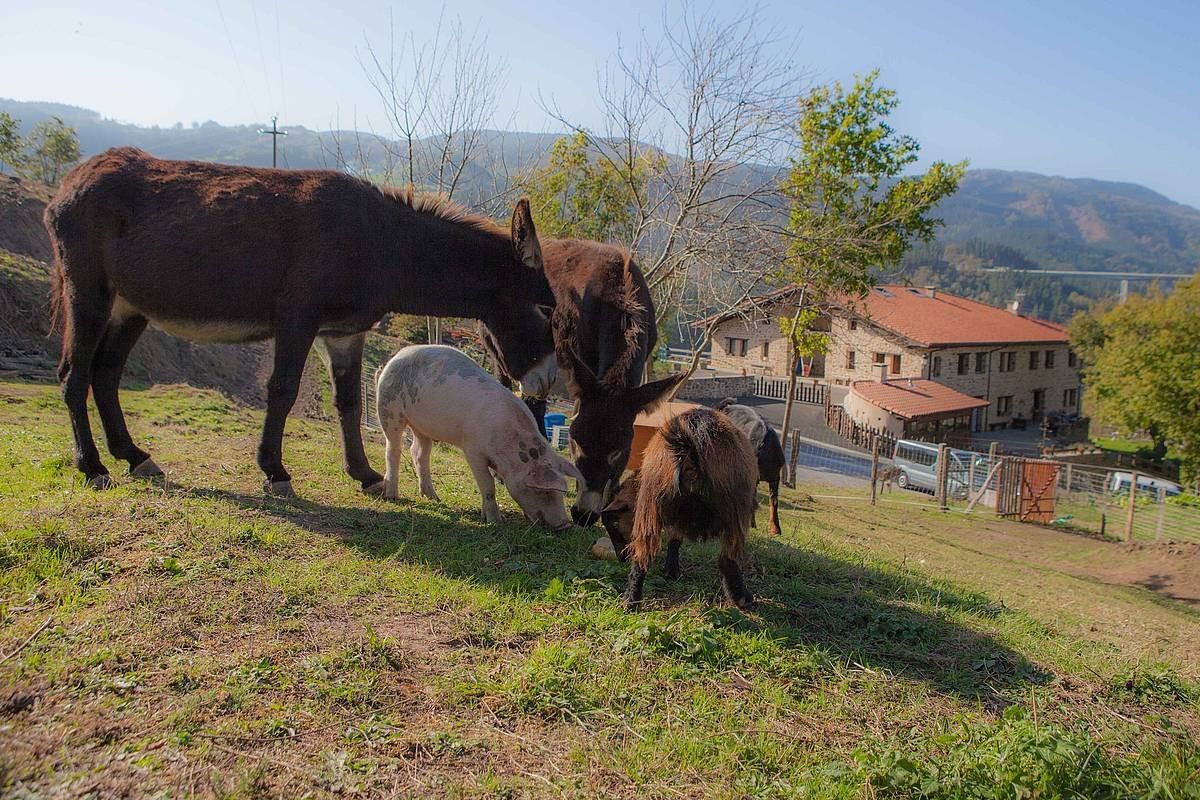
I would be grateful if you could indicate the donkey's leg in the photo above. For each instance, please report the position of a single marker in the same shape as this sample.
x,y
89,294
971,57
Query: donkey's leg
x,y
86,329
343,358
486,484
537,407
293,339
774,486
107,366
420,450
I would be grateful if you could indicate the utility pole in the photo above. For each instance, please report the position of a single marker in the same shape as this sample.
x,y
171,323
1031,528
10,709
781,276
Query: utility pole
x,y
275,133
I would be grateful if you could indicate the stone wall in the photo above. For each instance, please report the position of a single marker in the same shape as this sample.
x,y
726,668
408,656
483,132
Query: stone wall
x,y
756,333
716,388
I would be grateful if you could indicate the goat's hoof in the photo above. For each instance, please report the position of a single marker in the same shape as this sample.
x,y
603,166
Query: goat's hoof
x,y
147,469
100,482
629,604
375,489
279,488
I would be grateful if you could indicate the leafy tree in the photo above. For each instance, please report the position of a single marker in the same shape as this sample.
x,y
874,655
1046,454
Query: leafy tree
x,y
853,213
53,146
11,144
578,195
1142,367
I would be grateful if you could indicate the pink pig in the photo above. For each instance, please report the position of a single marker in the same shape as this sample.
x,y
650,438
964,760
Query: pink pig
x,y
441,395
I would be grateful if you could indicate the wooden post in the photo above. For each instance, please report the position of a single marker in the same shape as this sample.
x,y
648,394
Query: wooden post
x,y
1162,509
942,473
1133,476
795,459
992,450
874,467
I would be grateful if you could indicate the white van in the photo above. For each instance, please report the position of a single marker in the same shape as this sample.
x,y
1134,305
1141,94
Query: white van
x,y
918,463
1119,484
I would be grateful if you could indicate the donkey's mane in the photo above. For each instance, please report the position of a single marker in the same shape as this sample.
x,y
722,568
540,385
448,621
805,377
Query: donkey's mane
x,y
616,378
442,207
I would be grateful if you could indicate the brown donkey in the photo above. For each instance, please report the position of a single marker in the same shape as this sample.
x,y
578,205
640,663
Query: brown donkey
x,y
696,482
238,254
603,335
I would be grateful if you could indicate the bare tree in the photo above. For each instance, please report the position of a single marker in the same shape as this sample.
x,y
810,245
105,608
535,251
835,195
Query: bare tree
x,y
438,98
711,105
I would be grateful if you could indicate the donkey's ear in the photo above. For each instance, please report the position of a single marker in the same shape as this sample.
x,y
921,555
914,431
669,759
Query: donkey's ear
x,y
524,236
648,396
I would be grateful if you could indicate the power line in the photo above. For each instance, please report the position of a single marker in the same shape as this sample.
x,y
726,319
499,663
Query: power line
x,y
236,62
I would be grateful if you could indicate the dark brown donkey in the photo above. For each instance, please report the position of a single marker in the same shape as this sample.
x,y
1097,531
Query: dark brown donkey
x,y
603,333
235,254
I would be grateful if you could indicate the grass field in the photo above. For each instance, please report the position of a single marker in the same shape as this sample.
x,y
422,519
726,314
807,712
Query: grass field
x,y
194,638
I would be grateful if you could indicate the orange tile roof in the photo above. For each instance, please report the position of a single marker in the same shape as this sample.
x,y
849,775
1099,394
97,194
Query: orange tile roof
x,y
910,398
944,319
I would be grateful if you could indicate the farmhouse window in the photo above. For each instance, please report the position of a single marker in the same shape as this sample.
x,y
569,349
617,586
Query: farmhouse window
x,y
1004,405
766,350
1049,359
895,363
1072,359
1070,397
964,363
735,346
853,325
1033,359
936,369
981,362
850,356
1008,361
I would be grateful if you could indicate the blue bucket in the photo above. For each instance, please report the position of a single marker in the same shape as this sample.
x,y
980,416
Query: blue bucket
x,y
550,420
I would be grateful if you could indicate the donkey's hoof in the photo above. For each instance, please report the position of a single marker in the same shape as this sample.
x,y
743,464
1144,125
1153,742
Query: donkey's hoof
x,y
147,469
100,482
375,489
279,488
746,603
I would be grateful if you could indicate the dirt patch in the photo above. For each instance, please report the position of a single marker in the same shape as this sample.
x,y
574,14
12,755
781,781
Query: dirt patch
x,y
21,206
1171,570
1088,223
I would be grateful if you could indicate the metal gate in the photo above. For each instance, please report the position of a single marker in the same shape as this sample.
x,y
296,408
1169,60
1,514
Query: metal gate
x,y
1026,489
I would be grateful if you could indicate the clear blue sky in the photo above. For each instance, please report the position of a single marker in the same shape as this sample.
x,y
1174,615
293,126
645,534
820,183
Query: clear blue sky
x,y
1068,88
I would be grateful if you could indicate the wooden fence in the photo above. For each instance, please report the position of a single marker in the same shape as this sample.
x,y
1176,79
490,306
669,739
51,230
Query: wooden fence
x,y
776,389
858,434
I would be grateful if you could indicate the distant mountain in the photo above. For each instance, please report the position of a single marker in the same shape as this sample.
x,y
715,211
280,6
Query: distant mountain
x,y
1073,222
997,218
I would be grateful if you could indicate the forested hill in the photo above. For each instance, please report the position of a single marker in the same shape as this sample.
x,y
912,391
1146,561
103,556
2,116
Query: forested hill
x,y
997,218
1069,222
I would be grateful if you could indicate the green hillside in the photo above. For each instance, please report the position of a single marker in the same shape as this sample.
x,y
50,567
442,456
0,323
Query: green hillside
x,y
198,639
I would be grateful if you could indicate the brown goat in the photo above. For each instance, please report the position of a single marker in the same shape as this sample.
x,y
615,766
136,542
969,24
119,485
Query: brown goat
x,y
697,481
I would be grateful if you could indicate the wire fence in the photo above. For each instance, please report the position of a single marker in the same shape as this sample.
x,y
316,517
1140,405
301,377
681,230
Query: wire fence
x,y
1119,504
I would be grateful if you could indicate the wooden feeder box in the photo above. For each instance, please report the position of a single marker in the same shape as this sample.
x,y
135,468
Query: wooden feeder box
x,y
645,426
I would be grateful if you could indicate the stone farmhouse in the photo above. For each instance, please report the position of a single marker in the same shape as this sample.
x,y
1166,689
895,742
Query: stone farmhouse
x,y
1002,369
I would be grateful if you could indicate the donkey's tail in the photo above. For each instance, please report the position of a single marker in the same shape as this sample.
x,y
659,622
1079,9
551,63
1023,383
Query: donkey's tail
x,y
60,318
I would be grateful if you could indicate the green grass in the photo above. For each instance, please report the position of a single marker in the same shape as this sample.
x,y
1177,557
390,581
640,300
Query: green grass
x,y
197,637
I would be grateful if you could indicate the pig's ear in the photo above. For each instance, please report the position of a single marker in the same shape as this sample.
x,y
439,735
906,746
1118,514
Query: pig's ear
x,y
544,477
567,468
